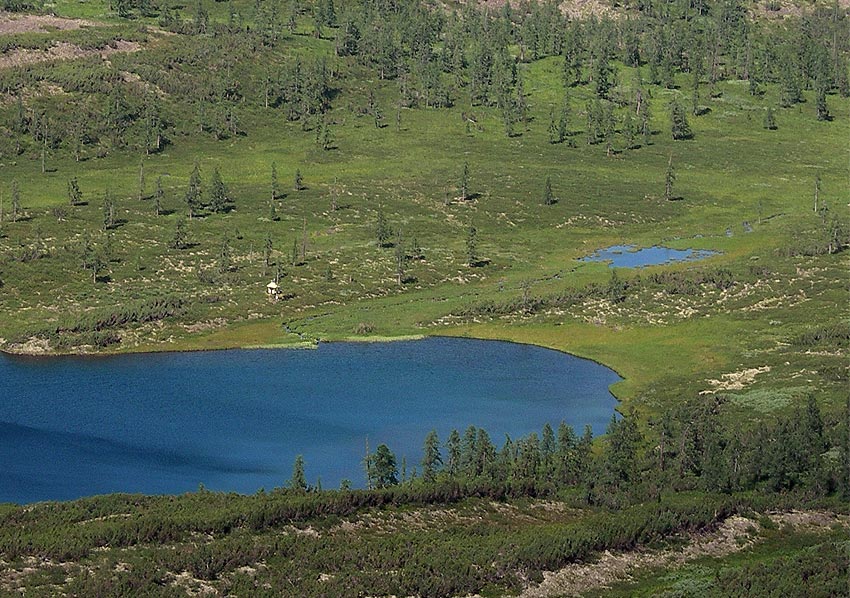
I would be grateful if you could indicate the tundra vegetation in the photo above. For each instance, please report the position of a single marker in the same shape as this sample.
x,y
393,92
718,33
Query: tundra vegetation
x,y
405,167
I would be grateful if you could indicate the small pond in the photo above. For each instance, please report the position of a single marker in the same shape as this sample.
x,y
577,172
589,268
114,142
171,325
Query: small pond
x,y
629,256
235,420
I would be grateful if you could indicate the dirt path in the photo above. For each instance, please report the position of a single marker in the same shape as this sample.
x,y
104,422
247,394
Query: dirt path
x,y
733,535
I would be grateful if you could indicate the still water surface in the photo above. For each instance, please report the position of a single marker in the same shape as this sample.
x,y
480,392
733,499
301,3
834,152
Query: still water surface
x,y
629,256
235,420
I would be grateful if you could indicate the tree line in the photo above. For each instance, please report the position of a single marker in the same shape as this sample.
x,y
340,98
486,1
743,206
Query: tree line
x,y
691,448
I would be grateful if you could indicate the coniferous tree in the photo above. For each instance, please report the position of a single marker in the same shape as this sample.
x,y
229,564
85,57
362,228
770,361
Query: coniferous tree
x,y
86,251
644,117
548,450
154,125
225,261
158,195
201,18
601,75
92,258
821,107
468,451
553,127
431,459
567,469
298,481
180,239
769,119
584,453
620,462
400,259
384,467
220,200
464,182
348,39
268,247
193,192
548,196
327,137
695,108
299,180
75,196
453,453
108,211
472,246
616,290
591,110
842,82
669,179
383,231
563,121
679,126
275,189
485,453
142,178
753,86
789,86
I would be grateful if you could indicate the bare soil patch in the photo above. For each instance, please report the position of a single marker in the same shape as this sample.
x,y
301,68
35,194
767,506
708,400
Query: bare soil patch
x,y
735,380
17,23
733,535
575,9
63,51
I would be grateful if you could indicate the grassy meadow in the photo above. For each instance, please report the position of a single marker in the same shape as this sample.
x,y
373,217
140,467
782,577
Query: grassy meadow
x,y
733,171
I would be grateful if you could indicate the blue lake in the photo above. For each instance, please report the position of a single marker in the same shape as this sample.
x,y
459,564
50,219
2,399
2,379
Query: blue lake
x,y
235,420
628,256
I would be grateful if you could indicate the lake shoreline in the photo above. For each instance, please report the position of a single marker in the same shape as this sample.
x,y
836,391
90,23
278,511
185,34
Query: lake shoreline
x,y
235,421
20,350
314,344
302,344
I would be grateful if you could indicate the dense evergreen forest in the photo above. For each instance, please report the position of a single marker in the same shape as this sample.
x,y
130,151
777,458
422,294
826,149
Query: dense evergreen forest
x,y
405,168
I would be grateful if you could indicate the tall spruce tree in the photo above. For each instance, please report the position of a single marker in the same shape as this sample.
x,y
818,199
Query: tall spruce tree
x,y
298,480
220,200
669,179
679,126
193,191
472,245
548,196
432,460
